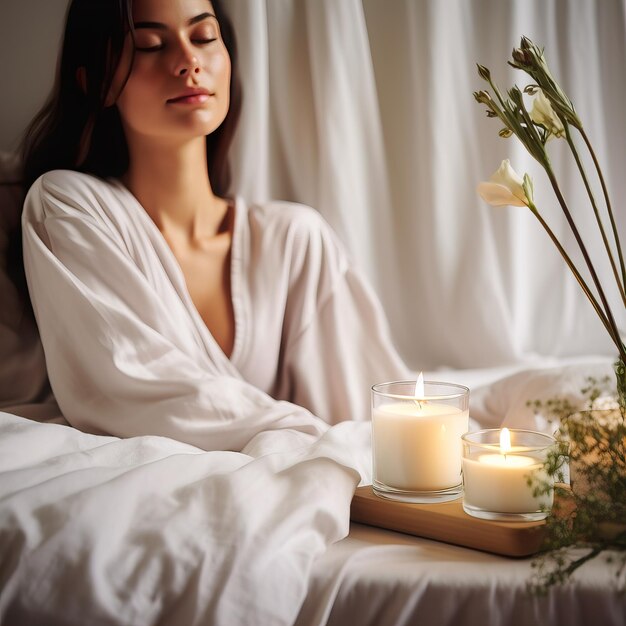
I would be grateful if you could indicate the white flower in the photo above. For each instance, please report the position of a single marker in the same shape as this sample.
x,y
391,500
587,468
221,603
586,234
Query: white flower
x,y
543,113
505,188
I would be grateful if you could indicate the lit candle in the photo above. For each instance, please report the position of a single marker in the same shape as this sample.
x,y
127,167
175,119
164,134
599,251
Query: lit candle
x,y
495,478
417,441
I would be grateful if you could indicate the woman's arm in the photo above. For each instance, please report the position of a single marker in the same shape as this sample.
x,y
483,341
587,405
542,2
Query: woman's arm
x,y
337,342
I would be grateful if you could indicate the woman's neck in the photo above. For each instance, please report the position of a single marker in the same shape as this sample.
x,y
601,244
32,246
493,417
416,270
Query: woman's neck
x,y
173,187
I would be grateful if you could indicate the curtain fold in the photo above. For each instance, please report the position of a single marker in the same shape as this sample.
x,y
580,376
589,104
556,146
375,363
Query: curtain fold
x,y
364,110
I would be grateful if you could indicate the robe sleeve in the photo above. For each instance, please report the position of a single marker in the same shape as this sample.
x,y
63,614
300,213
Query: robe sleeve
x,y
337,340
121,360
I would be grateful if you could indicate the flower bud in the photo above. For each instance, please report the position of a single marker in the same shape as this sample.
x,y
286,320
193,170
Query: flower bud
x,y
482,96
516,96
525,43
528,187
483,72
522,57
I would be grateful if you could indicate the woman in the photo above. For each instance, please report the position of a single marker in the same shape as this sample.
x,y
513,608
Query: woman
x,y
164,306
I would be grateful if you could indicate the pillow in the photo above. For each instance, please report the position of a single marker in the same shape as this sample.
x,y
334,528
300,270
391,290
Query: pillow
x,y
505,402
23,377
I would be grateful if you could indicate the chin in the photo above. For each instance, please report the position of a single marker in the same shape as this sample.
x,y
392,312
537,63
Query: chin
x,y
184,128
203,124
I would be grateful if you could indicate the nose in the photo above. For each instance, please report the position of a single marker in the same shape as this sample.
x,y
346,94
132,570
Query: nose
x,y
187,62
188,65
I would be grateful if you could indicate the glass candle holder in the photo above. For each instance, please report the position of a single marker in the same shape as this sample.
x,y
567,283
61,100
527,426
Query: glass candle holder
x,y
501,469
416,441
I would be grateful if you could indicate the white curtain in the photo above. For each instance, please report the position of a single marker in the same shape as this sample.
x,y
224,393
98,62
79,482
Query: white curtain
x,y
363,109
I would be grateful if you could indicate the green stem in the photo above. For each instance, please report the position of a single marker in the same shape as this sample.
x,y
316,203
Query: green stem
x,y
608,203
573,268
592,554
583,174
497,92
537,148
613,330
499,112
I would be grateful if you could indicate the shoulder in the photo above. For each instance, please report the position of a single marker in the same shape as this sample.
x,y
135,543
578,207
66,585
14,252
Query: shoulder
x,y
67,182
66,193
300,235
292,223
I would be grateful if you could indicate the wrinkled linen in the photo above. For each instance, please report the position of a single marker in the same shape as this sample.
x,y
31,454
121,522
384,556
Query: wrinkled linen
x,y
146,530
509,400
128,354
381,578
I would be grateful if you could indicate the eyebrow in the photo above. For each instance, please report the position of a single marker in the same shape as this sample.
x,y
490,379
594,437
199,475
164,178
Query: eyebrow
x,y
160,26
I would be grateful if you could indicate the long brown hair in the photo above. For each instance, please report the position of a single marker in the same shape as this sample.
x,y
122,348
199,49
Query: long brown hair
x,y
77,130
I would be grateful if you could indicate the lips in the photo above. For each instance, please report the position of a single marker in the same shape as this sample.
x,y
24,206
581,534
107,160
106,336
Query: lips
x,y
191,96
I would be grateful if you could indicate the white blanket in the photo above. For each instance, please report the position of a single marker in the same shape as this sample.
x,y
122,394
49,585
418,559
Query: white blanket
x,y
101,530
148,530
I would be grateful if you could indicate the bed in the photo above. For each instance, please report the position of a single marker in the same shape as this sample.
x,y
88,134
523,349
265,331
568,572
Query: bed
x,y
147,530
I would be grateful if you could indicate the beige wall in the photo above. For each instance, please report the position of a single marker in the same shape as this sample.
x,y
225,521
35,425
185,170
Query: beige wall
x,y
30,34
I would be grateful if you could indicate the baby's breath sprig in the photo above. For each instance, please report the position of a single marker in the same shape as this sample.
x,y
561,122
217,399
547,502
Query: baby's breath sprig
x,y
588,518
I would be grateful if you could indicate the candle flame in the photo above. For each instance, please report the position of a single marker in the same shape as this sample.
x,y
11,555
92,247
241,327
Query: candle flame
x,y
419,387
505,441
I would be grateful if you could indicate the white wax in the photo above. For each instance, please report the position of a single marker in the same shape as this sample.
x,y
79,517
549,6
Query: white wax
x,y
418,447
499,483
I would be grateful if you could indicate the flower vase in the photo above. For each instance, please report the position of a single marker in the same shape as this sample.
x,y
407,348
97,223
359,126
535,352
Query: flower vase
x,y
596,439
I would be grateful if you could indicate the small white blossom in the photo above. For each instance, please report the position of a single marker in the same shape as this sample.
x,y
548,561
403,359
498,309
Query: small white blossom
x,y
543,113
505,187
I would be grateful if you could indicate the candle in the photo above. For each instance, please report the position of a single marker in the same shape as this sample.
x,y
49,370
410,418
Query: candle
x,y
495,478
416,439
418,447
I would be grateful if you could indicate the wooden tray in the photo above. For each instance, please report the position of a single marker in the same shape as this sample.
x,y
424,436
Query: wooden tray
x,y
447,521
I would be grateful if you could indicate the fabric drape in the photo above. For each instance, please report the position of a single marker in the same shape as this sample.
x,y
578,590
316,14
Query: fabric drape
x,y
364,110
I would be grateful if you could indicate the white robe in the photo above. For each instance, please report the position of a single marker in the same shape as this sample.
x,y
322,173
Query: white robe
x,y
128,353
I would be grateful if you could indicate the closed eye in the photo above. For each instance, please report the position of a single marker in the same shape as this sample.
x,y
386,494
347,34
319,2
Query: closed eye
x,y
199,42
150,48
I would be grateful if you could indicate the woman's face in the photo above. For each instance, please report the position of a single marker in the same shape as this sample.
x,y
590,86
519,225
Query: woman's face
x,y
179,84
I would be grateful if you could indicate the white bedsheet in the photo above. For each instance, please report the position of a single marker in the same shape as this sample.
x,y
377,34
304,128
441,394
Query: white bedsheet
x,y
382,578
100,530
147,530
